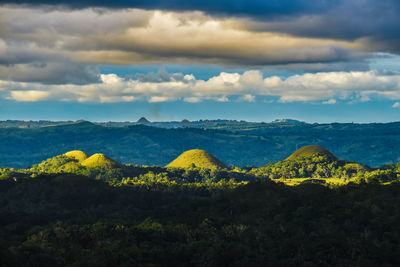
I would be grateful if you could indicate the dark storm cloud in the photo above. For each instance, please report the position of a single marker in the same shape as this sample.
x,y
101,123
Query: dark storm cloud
x,y
51,73
346,20
95,36
26,62
229,7
58,42
378,20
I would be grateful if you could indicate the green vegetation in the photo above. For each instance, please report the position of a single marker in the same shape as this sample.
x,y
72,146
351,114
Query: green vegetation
x,y
316,164
356,166
68,220
99,166
197,158
310,209
59,164
197,166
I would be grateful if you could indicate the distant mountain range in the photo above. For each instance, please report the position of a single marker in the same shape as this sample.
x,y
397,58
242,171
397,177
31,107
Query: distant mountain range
x,y
236,143
144,121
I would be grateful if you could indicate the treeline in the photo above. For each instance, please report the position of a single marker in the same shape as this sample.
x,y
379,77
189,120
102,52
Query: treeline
x,y
321,166
316,166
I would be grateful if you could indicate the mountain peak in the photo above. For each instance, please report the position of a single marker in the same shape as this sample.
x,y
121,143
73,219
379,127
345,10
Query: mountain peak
x,y
143,120
185,122
287,121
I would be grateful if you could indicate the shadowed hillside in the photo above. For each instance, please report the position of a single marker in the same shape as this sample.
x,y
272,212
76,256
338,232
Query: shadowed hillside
x,y
368,144
198,158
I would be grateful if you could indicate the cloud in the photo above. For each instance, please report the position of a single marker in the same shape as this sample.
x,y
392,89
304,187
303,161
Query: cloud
x,y
376,20
157,99
222,99
192,99
227,7
396,105
36,43
247,98
51,73
161,76
29,95
330,101
324,87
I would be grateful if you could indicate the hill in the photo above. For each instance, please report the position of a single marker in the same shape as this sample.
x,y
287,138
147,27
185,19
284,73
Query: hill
x,y
143,120
308,151
99,160
197,157
74,162
77,154
253,145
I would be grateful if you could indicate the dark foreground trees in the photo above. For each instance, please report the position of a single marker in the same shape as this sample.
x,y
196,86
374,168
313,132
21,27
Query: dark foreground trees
x,y
72,220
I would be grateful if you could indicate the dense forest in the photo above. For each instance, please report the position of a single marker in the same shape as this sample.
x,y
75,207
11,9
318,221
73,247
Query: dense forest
x,y
77,209
76,221
239,144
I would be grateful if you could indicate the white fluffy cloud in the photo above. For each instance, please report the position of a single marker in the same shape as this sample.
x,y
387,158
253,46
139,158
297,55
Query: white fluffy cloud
x,y
29,95
326,87
330,101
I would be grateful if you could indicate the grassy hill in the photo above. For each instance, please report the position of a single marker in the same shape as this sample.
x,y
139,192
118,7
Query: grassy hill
x,y
309,151
198,158
99,160
309,164
77,154
74,162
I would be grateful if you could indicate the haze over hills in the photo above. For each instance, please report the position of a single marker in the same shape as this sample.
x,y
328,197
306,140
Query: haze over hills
x,y
145,121
239,143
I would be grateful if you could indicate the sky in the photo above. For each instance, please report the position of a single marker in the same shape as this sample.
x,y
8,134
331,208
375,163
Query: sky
x,y
311,60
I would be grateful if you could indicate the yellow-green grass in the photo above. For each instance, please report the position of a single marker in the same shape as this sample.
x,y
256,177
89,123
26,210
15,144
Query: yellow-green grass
x,y
198,158
99,160
77,154
308,151
298,181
